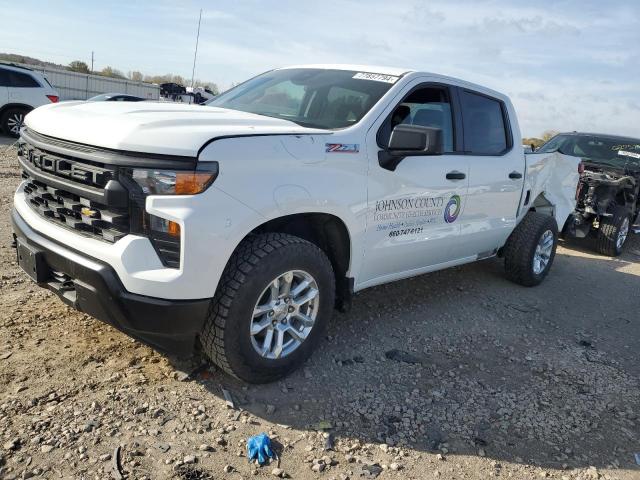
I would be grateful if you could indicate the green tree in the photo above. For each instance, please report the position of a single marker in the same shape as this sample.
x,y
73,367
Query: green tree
x,y
78,66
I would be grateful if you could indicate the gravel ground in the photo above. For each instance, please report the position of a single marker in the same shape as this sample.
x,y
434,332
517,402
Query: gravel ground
x,y
456,374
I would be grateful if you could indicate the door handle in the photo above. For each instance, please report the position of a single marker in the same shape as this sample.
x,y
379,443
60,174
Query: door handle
x,y
515,175
456,175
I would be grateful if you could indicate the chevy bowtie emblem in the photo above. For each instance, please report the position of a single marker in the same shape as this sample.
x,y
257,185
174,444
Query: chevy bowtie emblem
x,y
87,212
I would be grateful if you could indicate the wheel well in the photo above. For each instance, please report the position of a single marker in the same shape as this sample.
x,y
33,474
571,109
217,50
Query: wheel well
x,y
327,232
15,105
542,205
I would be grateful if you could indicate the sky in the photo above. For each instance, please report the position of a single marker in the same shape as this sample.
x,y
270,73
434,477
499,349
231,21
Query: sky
x,y
566,64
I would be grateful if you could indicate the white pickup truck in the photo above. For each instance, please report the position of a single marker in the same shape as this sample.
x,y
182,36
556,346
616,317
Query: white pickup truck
x,y
236,227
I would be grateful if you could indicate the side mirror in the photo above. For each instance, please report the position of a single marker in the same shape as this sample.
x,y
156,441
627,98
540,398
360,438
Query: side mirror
x,y
410,140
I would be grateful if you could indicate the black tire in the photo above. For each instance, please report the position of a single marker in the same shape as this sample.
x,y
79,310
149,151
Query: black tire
x,y
9,118
257,261
520,249
610,231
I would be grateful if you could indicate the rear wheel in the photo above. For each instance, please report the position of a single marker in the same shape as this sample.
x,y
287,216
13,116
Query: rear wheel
x,y
613,232
271,308
12,121
531,249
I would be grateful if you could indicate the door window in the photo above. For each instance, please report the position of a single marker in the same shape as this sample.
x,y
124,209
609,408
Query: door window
x,y
4,77
484,125
427,107
22,80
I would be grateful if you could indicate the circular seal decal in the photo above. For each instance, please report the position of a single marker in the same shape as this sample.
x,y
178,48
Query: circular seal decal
x,y
452,209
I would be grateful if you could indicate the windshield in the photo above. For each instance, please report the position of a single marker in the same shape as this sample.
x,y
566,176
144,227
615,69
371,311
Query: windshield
x,y
311,97
618,152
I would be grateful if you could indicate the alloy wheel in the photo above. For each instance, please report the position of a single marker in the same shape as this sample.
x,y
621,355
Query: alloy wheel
x,y
284,314
15,122
543,251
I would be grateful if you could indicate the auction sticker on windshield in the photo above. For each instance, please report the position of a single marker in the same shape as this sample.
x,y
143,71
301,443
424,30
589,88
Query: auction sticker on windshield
x,y
628,154
378,77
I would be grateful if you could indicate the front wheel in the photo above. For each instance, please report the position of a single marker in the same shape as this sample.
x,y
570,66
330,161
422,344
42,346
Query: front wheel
x,y
530,250
271,308
613,232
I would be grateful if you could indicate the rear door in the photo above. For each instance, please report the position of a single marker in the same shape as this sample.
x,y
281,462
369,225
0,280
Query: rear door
x,y
496,173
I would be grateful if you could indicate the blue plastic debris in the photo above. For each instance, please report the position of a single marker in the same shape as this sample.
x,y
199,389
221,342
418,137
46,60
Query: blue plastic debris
x,y
259,448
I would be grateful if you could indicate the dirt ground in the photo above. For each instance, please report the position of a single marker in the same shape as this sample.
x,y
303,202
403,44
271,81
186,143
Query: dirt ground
x,y
453,375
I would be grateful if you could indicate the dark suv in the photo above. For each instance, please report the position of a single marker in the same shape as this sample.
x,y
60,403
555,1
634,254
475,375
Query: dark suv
x,y
607,197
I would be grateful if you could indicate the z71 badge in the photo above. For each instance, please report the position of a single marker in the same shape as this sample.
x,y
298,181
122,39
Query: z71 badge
x,y
342,147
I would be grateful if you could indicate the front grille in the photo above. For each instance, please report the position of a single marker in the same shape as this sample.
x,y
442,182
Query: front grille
x,y
77,194
73,211
91,191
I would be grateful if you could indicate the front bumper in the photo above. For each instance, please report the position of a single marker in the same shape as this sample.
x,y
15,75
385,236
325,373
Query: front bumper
x,y
93,287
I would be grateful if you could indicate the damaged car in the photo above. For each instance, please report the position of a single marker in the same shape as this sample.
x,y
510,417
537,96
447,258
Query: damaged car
x,y
607,195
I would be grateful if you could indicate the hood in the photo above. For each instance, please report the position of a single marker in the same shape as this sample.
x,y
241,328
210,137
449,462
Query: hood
x,y
152,127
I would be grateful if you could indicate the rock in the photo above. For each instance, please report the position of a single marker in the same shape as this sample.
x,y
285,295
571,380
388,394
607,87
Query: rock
x,y
11,444
592,473
440,457
318,467
221,441
46,448
189,459
104,458
481,452
270,409
228,469
395,466
278,472
327,460
370,471
402,356
163,447
206,448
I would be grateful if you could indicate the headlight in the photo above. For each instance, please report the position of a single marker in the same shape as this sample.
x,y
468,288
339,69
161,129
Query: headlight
x,y
164,234
175,182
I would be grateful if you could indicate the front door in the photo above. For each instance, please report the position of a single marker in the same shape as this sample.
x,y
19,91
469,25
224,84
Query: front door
x,y
413,210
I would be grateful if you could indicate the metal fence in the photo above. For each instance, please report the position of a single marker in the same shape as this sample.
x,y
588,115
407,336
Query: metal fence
x,y
80,86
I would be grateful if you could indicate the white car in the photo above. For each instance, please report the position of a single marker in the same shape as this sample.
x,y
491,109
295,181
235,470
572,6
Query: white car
x,y
21,90
239,226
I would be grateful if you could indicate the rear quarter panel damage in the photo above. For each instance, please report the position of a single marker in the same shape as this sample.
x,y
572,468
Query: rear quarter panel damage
x,y
554,176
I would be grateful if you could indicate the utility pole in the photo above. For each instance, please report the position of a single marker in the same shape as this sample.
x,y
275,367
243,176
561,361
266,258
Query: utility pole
x,y
92,61
195,54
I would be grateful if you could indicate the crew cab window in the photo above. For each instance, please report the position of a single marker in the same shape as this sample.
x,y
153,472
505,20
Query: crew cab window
x,y
4,77
311,97
21,80
484,126
427,107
